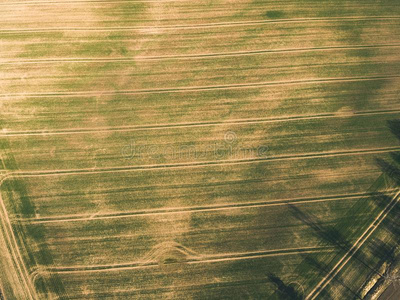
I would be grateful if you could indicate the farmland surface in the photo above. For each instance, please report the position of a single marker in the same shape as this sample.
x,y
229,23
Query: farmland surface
x,y
180,149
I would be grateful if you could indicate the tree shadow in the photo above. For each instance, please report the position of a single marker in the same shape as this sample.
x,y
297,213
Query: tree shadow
x,y
335,237
392,171
394,126
323,270
285,291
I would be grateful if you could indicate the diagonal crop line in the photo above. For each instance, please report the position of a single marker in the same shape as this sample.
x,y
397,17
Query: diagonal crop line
x,y
15,252
350,253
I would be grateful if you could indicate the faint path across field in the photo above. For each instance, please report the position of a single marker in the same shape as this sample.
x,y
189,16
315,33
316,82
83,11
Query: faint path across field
x,y
194,164
71,131
192,260
191,56
186,89
206,25
180,210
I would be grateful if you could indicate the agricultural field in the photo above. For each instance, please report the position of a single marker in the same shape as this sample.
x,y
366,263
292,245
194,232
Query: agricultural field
x,y
176,149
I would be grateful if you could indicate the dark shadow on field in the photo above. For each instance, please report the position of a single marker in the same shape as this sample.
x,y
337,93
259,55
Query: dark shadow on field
x,y
392,171
323,269
396,157
381,200
19,200
392,223
285,291
275,14
349,227
386,250
394,126
383,250
340,237
327,233
336,236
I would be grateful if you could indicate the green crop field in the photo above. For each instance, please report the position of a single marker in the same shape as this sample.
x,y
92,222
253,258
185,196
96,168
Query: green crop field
x,y
176,149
